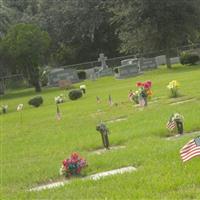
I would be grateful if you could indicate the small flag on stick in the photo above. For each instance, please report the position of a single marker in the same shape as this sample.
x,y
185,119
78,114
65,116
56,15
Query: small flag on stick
x,y
110,100
171,125
191,149
98,99
58,114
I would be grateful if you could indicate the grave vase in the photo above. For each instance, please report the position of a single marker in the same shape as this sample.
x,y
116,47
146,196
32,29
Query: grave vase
x,y
179,125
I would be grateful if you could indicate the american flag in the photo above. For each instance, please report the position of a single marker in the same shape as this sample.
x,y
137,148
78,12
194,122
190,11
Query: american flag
x,y
58,114
171,124
110,100
191,149
98,99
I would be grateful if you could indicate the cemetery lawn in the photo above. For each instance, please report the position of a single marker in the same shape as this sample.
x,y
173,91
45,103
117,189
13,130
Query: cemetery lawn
x,y
32,150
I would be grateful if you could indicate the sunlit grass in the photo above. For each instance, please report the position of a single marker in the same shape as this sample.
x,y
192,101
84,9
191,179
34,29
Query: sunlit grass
x,y
32,151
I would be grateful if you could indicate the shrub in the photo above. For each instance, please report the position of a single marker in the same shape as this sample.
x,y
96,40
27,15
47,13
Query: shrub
x,y
75,94
36,101
81,75
189,58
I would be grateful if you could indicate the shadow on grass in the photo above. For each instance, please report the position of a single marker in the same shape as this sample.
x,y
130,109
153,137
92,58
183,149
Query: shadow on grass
x,y
12,94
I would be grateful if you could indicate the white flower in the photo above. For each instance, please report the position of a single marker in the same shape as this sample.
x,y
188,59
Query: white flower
x,y
20,107
59,99
5,107
62,169
82,86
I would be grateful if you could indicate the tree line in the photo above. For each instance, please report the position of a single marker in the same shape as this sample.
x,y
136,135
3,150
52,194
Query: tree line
x,y
61,32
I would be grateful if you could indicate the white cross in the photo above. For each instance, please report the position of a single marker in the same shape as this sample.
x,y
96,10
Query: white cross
x,y
102,59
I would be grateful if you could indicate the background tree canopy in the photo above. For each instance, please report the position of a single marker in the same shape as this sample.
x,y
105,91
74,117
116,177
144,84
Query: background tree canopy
x,y
81,29
26,45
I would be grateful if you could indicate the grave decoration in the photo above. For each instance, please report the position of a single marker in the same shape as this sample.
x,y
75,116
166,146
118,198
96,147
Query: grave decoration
x,y
73,166
58,113
104,131
83,88
4,108
175,121
59,99
19,109
173,87
142,94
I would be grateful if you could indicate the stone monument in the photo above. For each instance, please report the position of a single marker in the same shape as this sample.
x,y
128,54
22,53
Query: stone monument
x,y
104,134
104,70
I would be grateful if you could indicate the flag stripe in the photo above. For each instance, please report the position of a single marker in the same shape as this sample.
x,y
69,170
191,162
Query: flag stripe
x,y
192,156
190,153
190,150
171,125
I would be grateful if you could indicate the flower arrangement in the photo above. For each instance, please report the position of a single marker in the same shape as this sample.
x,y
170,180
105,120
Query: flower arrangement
x,y
173,87
59,99
176,117
144,92
20,107
72,165
83,88
4,108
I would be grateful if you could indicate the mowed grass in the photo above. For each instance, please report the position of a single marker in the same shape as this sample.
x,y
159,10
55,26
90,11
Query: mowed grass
x,y
32,151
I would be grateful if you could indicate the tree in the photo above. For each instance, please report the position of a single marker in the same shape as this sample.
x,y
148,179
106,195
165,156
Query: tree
x,y
26,45
146,25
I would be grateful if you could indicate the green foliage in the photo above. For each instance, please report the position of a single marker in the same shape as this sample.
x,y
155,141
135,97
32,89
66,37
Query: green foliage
x,y
81,75
75,94
27,46
189,58
145,25
36,101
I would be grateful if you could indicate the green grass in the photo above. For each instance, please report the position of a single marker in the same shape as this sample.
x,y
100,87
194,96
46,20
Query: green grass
x,y
32,151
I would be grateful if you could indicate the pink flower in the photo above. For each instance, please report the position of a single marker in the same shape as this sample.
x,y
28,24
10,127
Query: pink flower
x,y
150,83
146,85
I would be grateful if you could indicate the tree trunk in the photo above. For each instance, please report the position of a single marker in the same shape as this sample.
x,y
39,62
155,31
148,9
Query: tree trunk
x,y
168,62
37,86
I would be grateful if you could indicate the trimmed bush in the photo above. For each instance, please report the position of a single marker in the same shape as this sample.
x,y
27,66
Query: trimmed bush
x,y
75,94
189,58
36,101
81,75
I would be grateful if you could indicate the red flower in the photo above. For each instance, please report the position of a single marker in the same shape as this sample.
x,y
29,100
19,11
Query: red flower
x,y
139,84
64,162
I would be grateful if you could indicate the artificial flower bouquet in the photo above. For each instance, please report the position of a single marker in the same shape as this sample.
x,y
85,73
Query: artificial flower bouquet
x,y
173,87
4,108
144,91
59,99
72,165
83,88
176,117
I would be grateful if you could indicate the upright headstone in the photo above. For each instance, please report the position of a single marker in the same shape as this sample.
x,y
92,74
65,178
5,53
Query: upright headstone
x,y
128,68
59,74
148,63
